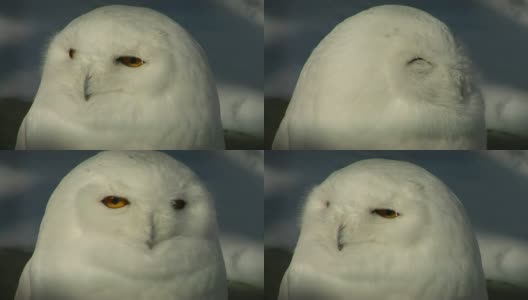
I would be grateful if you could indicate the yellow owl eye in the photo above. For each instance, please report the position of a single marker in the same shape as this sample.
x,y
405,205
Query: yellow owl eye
x,y
71,53
386,213
131,61
115,202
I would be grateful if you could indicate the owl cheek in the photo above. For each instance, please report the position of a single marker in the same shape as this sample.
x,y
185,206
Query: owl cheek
x,y
406,233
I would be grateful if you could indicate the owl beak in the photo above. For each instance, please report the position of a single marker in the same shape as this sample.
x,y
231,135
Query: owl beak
x,y
339,238
151,241
87,93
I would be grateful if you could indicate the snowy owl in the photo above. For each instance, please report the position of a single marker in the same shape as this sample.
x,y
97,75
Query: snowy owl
x,y
127,225
384,230
122,77
391,77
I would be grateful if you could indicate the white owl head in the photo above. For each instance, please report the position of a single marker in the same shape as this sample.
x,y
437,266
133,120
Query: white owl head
x,y
138,198
382,202
389,219
124,78
119,51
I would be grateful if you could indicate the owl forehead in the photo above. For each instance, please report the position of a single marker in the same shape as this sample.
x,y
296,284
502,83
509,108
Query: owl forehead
x,y
395,26
142,173
371,189
397,20
111,35
152,173
369,183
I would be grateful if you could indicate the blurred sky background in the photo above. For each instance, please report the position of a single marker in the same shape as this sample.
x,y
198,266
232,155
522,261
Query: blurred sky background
x,y
492,185
495,33
230,31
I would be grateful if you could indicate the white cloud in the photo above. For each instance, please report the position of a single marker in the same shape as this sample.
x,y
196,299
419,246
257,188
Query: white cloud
x,y
14,31
506,108
15,181
504,259
517,10
252,160
280,29
514,159
253,10
276,180
242,109
244,259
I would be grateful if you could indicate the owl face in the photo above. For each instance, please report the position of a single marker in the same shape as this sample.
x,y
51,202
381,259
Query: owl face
x,y
372,227
412,55
378,202
121,77
122,221
390,77
140,199
120,51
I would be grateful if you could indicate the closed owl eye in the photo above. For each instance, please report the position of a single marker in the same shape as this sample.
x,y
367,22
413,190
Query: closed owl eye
x,y
386,213
420,65
130,61
115,202
417,60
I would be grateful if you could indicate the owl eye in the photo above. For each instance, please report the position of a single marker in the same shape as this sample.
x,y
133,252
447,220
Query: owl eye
x,y
420,66
131,61
386,213
417,60
115,202
178,204
71,53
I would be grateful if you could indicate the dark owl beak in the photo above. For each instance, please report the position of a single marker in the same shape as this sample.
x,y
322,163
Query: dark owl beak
x,y
151,242
339,238
86,87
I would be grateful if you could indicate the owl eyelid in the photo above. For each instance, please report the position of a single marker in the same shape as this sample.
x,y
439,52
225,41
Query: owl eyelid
x,y
417,59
